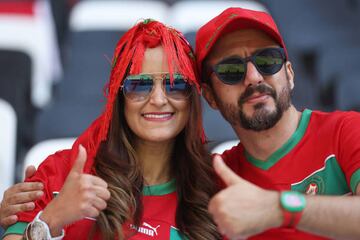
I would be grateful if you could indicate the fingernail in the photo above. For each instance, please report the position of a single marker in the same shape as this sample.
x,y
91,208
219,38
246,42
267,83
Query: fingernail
x,y
30,206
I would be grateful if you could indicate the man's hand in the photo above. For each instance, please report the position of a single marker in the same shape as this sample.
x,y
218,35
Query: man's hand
x,y
20,197
242,209
82,195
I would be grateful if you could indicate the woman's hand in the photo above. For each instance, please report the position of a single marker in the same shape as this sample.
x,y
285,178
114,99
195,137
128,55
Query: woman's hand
x,y
20,197
83,195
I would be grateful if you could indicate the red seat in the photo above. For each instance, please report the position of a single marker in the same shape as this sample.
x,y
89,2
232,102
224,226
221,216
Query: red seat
x,y
17,7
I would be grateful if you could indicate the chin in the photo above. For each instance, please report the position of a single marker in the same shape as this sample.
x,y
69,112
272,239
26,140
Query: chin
x,y
257,108
158,137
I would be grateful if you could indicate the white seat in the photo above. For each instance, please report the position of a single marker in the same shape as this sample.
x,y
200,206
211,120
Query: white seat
x,y
189,16
114,15
38,153
7,145
34,35
220,148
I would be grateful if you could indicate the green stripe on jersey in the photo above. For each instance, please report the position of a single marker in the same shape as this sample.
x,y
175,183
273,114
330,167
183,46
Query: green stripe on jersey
x,y
175,234
160,189
17,228
329,180
355,180
287,147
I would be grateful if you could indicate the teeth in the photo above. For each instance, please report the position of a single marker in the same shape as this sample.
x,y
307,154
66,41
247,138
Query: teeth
x,y
157,115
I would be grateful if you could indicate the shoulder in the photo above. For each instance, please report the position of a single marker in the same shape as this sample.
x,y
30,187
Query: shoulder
x,y
335,116
55,166
336,120
233,154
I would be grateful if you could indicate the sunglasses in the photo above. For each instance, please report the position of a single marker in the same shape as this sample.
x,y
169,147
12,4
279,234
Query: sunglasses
x,y
232,70
139,87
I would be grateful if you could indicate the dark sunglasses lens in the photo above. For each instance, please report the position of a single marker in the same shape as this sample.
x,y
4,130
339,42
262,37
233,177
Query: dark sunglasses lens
x,y
231,70
180,89
137,87
269,61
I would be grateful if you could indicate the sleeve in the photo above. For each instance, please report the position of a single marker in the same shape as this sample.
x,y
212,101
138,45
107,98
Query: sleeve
x,y
349,149
17,229
52,173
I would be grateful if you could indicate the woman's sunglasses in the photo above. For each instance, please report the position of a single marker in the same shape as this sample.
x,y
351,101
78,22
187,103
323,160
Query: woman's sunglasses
x,y
139,87
232,70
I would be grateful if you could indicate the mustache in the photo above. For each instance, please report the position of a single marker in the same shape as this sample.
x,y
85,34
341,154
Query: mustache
x,y
262,88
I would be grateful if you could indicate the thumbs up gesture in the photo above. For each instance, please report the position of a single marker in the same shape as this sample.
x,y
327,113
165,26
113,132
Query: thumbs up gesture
x,y
243,209
82,195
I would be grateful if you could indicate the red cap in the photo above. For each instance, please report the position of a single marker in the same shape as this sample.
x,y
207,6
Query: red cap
x,y
230,20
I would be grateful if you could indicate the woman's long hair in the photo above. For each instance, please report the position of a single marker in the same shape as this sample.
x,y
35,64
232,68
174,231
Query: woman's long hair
x,y
117,163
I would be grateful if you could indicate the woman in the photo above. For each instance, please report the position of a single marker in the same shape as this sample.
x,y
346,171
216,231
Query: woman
x,y
140,171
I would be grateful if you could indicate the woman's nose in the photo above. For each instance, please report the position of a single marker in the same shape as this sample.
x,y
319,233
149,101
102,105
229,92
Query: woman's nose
x,y
158,95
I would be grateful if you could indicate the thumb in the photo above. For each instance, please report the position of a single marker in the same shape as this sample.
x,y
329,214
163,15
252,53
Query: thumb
x,y
80,160
224,172
30,171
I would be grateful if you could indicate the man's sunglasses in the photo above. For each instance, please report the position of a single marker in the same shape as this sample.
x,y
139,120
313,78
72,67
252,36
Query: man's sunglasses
x,y
139,87
232,70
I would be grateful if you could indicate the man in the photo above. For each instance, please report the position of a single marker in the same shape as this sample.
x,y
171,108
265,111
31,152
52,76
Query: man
x,y
277,177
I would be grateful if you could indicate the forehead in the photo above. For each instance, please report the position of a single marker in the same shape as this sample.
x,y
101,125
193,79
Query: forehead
x,y
154,60
241,42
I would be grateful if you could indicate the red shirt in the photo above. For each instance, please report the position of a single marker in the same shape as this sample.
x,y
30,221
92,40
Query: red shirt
x,y
321,157
159,201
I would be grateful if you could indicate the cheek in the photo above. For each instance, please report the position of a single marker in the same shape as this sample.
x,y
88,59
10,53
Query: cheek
x,y
131,113
183,109
228,95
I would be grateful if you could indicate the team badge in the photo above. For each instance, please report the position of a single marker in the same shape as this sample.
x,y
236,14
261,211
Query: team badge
x,y
313,185
312,189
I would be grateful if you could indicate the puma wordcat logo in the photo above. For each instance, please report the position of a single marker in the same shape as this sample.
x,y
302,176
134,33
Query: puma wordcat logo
x,y
147,229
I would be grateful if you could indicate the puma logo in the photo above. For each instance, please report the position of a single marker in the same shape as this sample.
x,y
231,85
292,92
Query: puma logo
x,y
151,227
147,229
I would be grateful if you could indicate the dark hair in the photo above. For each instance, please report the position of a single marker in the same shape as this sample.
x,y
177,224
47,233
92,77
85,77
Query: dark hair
x,y
116,160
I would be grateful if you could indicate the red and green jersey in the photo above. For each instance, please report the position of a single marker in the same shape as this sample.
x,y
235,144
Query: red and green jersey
x,y
158,221
322,157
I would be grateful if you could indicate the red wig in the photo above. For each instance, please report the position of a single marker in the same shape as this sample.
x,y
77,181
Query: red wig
x,y
130,51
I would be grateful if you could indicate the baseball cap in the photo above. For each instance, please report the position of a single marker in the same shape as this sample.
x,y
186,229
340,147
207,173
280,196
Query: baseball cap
x,y
230,20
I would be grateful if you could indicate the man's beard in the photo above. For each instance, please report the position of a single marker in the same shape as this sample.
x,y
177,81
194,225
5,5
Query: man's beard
x,y
262,119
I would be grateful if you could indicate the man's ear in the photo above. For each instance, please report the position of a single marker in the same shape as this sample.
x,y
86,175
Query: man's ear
x,y
290,74
208,94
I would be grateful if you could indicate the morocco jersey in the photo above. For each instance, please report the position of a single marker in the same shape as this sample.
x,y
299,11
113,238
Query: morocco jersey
x,y
159,201
321,157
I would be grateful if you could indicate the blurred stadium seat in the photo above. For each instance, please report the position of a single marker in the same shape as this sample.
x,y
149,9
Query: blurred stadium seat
x,y
220,148
347,91
308,24
114,15
15,75
338,69
189,16
33,33
41,150
310,29
7,145
29,62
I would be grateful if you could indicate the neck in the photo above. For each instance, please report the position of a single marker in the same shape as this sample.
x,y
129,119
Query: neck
x,y
155,158
264,143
